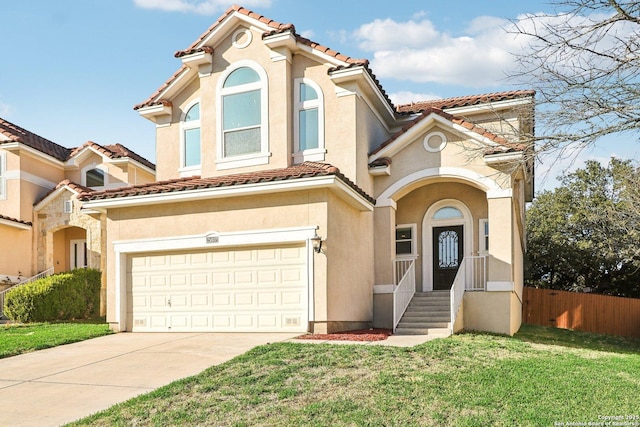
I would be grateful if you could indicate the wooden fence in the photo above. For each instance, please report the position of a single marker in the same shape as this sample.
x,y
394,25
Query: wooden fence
x,y
600,314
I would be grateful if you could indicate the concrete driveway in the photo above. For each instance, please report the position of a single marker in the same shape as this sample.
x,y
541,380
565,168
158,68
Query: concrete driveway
x,y
58,385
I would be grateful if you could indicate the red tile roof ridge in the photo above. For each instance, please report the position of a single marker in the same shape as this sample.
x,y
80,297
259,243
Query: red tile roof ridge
x,y
456,120
463,101
19,221
181,53
114,151
16,133
304,170
278,28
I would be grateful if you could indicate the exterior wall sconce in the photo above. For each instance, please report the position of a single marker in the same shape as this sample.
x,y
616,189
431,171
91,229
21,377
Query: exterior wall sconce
x,y
317,243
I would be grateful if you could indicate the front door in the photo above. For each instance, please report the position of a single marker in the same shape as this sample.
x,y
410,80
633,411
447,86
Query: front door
x,y
447,255
78,254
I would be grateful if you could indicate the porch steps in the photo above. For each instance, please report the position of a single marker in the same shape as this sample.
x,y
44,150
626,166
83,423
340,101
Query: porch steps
x,y
428,313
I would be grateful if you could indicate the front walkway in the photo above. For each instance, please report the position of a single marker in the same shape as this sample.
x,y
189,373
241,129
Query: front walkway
x,y
59,385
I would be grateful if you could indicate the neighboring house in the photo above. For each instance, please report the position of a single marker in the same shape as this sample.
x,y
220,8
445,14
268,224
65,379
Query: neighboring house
x,y
293,195
41,226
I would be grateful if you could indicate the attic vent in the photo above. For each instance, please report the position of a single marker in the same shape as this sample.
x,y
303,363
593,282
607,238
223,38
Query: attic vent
x,y
67,207
291,321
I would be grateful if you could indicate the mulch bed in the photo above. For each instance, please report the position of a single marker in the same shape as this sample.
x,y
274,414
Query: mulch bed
x,y
359,335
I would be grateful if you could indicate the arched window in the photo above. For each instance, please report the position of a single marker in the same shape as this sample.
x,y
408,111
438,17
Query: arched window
x,y
448,212
94,178
242,113
191,137
308,121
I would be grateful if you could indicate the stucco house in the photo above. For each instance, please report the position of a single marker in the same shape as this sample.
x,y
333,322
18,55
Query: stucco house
x,y
292,195
41,227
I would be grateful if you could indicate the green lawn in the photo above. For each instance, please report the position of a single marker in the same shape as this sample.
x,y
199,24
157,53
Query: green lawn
x,y
18,339
540,377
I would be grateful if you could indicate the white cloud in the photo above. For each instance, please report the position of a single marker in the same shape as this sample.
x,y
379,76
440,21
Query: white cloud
x,y
419,52
307,34
5,109
406,97
202,7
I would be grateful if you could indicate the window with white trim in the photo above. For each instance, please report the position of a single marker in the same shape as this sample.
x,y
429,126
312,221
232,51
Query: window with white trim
x,y
243,117
190,150
406,240
483,237
308,121
94,178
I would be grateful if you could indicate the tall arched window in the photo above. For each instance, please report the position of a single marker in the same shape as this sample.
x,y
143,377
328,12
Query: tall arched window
x,y
243,117
308,121
191,137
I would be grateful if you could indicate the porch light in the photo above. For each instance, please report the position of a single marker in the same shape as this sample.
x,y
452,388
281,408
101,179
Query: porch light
x,y
317,243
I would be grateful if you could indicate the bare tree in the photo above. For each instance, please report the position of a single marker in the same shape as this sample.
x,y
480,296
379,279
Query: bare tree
x,y
584,64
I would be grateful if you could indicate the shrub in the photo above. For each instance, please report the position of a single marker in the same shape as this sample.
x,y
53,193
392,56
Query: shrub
x,y
72,295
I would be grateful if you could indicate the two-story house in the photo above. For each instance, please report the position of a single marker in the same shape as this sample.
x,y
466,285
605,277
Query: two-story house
x,y
294,196
41,227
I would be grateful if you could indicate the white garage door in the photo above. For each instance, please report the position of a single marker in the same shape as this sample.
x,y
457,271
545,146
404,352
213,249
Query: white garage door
x,y
242,290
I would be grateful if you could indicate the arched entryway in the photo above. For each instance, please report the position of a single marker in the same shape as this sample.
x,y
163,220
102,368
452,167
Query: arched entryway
x,y
69,249
447,230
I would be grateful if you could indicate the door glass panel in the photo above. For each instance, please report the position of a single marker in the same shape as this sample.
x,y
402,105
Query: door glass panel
x,y
448,249
447,213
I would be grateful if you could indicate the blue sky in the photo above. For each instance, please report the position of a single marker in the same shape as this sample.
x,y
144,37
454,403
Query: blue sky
x,y
74,69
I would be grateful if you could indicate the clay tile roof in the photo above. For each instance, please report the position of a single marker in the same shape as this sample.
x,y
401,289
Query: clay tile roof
x,y
304,170
17,134
8,218
72,185
463,101
277,28
115,151
181,53
508,145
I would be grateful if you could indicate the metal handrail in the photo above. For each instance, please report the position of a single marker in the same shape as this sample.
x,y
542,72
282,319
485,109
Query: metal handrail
x,y
404,290
47,272
471,276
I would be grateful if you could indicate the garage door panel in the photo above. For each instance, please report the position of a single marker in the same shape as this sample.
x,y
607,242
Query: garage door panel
x,y
252,289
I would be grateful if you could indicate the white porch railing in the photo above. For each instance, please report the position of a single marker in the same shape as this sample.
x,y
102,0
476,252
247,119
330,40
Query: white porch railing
x,y
405,287
38,276
471,276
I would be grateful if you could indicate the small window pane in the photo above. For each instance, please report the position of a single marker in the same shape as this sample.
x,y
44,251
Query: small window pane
x,y
192,147
246,141
193,113
403,248
95,178
307,93
447,213
241,76
308,129
403,234
241,110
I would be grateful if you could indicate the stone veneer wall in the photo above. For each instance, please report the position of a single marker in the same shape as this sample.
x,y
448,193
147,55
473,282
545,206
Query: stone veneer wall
x,y
52,218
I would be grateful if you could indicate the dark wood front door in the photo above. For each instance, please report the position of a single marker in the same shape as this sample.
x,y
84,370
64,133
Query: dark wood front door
x,y
447,255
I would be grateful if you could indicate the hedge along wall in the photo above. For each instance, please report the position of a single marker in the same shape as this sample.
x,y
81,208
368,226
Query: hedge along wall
x,y
73,295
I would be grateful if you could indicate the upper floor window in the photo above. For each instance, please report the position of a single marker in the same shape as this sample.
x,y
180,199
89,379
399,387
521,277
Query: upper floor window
x,y
309,121
242,107
191,137
94,178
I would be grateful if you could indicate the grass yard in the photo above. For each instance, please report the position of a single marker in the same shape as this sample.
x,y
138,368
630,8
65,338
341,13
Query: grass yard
x,y
540,377
18,339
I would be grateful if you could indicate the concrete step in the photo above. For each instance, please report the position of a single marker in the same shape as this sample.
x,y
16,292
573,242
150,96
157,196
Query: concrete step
x,y
425,318
422,325
436,332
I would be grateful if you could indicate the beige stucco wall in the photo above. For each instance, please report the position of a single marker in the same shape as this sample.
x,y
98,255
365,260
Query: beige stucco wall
x,y
15,250
342,287
492,312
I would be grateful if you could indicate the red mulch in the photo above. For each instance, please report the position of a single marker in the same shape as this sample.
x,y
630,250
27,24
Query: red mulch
x,y
360,335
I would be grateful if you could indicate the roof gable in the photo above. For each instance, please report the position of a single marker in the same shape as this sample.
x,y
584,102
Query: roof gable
x,y
270,28
62,186
433,115
112,152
